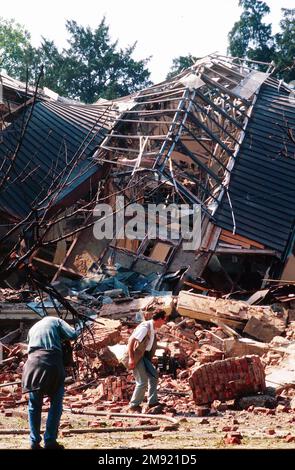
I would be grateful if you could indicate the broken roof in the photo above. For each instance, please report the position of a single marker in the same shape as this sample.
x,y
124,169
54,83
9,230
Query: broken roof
x,y
216,134
49,141
187,128
261,189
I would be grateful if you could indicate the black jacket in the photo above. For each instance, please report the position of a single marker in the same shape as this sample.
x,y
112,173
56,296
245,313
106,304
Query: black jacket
x,y
43,371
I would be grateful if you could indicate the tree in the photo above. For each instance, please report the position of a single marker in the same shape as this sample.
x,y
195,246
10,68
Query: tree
x,y
91,67
15,49
54,66
180,63
285,42
250,37
95,68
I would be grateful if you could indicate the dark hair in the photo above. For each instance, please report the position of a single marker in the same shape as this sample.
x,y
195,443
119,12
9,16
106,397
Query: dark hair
x,y
159,314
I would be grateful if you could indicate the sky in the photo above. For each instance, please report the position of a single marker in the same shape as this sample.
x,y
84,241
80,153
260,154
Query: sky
x,y
163,29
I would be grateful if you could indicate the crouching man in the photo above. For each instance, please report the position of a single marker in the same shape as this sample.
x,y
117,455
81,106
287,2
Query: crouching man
x,y
44,374
142,345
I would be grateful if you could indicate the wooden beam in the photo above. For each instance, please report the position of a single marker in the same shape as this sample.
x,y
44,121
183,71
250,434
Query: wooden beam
x,y
203,308
246,251
239,239
57,266
195,286
233,241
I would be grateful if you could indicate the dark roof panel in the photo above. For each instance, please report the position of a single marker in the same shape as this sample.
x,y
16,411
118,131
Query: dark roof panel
x,y
262,187
57,136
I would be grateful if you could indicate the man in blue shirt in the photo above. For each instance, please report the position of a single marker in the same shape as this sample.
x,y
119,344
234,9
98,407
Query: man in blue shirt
x,y
44,374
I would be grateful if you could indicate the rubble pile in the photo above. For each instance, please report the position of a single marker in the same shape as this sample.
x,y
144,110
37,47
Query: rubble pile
x,y
10,376
102,333
211,356
261,322
127,309
112,390
174,143
193,346
227,379
271,358
13,295
91,360
290,331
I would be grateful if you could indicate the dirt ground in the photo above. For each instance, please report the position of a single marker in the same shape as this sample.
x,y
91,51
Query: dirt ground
x,y
258,431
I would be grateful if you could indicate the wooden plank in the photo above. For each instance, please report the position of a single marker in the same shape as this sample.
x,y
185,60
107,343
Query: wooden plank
x,y
46,262
69,251
56,266
11,337
27,314
227,91
207,228
17,109
240,238
135,256
208,309
195,286
160,251
214,238
210,236
128,244
239,251
261,322
234,241
210,318
132,307
60,252
289,269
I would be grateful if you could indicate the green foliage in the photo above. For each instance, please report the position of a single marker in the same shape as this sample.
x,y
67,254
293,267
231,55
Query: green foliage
x,y
96,68
285,41
180,63
15,48
91,67
54,67
250,37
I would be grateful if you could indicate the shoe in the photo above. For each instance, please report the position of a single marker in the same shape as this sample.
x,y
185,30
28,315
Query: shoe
x,y
152,405
155,409
54,445
35,446
135,409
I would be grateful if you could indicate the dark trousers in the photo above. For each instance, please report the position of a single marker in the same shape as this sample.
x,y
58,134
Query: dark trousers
x,y
53,417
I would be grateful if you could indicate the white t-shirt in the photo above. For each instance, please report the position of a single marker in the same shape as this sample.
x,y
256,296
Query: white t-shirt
x,y
140,332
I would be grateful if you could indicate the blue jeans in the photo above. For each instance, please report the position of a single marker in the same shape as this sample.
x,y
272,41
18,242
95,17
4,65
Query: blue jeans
x,y
53,418
144,380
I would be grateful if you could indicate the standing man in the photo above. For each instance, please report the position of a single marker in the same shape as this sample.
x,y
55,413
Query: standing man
x,y
44,374
142,345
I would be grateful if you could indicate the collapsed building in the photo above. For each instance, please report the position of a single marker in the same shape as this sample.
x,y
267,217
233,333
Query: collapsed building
x,y
219,136
215,135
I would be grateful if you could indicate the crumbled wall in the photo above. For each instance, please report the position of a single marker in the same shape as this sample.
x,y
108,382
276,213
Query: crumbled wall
x,y
227,379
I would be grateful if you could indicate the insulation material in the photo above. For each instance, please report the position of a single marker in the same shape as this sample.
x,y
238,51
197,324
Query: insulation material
x,y
250,84
192,81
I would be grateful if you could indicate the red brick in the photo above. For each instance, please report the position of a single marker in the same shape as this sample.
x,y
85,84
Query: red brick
x,y
227,379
